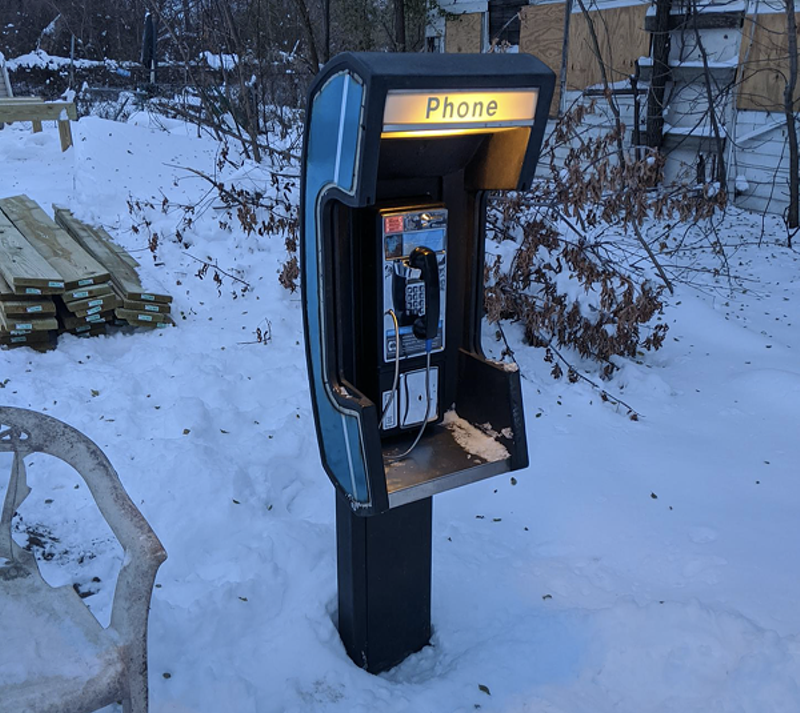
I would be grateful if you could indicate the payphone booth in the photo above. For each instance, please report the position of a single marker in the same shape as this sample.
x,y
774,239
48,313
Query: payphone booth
x,y
400,152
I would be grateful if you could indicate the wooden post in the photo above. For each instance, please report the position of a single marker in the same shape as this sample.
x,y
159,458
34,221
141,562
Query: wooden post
x,y
65,134
72,61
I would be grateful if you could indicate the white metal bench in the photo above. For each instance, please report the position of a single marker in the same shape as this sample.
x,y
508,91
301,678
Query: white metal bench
x,y
55,657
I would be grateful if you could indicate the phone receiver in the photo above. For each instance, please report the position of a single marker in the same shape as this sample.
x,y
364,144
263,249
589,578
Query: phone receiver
x,y
424,260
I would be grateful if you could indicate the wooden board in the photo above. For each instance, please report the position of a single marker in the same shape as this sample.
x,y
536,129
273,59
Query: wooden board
x,y
763,76
44,346
107,301
27,292
140,317
107,304
168,322
37,110
126,256
8,295
17,323
464,33
138,306
89,330
622,39
8,339
97,242
76,266
38,307
22,266
70,321
91,291
149,297
542,35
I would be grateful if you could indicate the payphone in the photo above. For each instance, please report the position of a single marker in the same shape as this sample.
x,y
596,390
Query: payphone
x,y
412,300
400,152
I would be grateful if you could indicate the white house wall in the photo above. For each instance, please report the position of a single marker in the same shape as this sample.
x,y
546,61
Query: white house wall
x,y
757,168
761,158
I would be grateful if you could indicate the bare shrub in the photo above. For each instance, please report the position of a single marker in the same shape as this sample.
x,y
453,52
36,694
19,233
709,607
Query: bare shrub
x,y
576,279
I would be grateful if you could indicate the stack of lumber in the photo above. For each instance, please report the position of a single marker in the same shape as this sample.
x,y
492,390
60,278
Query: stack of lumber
x,y
135,304
86,300
26,319
66,276
27,284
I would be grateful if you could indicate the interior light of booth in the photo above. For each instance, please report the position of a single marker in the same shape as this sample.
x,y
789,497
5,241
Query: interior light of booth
x,y
419,111
427,133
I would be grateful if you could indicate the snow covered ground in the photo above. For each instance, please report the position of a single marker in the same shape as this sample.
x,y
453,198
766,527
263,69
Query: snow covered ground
x,y
649,565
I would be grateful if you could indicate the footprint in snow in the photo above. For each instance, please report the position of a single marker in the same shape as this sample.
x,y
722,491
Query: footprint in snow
x,y
703,535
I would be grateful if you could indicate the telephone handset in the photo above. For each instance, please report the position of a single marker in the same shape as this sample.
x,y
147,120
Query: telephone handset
x,y
426,326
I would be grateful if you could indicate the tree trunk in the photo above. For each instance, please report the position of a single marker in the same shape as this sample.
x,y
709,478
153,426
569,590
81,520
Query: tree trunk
x,y
792,220
305,18
562,75
326,20
400,25
721,172
187,14
655,99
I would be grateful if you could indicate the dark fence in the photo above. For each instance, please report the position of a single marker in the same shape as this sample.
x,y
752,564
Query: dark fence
x,y
277,85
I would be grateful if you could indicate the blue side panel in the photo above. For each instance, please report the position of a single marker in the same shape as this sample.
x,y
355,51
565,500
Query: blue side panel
x,y
351,131
331,155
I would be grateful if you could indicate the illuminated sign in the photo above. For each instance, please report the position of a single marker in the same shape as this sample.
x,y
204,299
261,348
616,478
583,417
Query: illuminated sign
x,y
439,112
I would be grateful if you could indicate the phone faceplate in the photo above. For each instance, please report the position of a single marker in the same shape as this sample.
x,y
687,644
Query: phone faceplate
x,y
402,232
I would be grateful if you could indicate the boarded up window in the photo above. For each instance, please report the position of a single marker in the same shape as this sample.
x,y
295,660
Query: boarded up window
x,y
542,35
765,67
463,33
622,39
620,33
503,21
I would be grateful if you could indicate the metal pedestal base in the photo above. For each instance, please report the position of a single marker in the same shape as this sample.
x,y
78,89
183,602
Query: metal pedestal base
x,y
384,573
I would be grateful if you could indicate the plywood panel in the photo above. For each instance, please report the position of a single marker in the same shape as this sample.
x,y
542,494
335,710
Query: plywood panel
x,y
463,33
622,39
542,35
765,67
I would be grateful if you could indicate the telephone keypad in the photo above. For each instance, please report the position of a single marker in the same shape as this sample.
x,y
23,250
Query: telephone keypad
x,y
415,297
